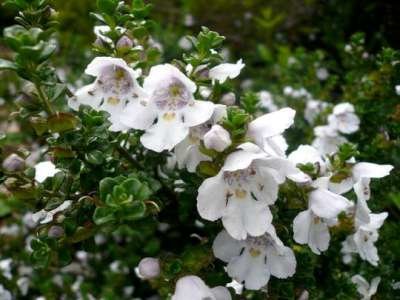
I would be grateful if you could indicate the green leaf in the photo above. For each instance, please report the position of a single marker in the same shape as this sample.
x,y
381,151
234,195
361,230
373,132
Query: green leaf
x,y
106,187
103,215
95,157
107,6
4,208
7,65
134,187
134,212
62,122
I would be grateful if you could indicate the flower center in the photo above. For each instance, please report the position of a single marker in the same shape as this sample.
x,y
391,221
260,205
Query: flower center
x,y
240,177
174,96
114,81
254,252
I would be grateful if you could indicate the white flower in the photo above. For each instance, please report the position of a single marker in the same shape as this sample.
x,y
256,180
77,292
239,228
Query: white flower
x,y
185,43
360,170
306,154
322,74
327,139
288,90
363,240
149,268
217,138
267,101
313,109
242,191
205,92
169,110
266,131
23,285
397,89
187,152
365,289
311,226
101,31
228,99
193,288
45,169
255,259
344,119
47,216
4,294
6,268
224,71
115,86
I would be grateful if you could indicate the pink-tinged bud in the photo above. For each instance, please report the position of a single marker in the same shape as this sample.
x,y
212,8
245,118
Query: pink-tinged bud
x,y
217,138
228,99
98,43
124,43
149,268
13,163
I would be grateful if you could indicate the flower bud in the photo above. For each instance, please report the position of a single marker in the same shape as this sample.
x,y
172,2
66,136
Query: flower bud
x,y
98,43
124,43
228,99
217,138
149,268
55,232
13,163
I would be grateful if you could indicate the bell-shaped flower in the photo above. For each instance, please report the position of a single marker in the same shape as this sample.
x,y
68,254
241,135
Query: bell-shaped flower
x,y
327,139
217,138
193,288
115,86
243,189
363,240
224,71
358,172
188,152
44,170
344,119
365,289
311,226
254,260
169,109
266,131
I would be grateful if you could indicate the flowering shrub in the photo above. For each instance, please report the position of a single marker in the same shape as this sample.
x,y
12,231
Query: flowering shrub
x,y
119,186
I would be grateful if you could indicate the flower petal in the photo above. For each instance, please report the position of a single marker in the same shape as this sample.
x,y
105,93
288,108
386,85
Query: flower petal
x,y
221,293
224,71
301,227
326,204
251,270
246,216
211,198
138,115
191,287
225,247
271,124
281,263
370,170
164,135
197,113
